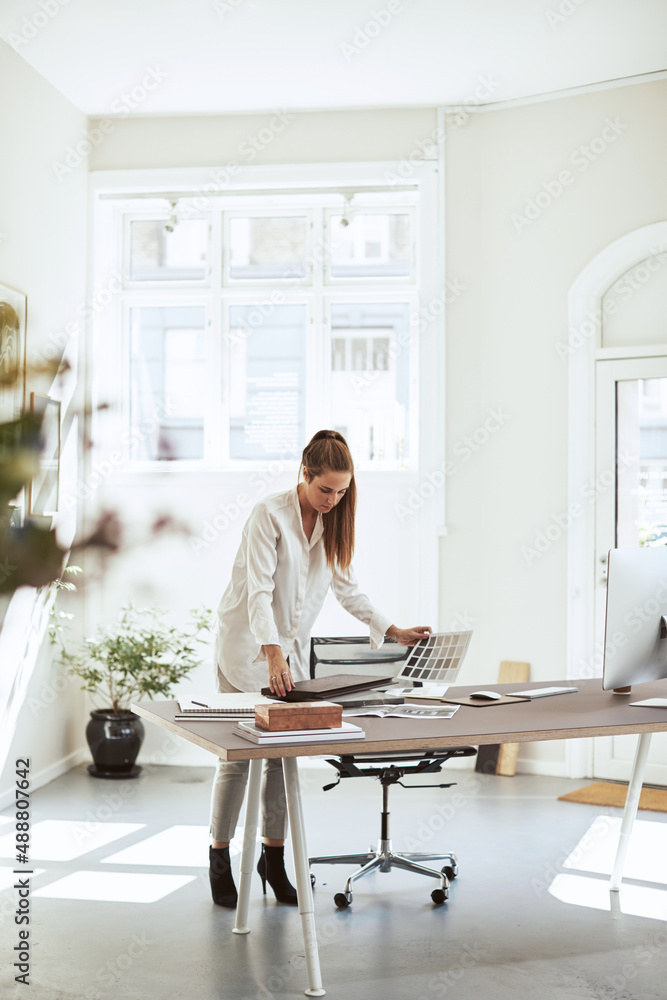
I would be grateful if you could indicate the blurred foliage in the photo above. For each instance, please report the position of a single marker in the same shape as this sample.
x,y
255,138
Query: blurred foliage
x,y
138,655
29,553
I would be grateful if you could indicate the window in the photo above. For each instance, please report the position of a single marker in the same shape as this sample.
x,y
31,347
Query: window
x,y
167,368
370,379
364,246
267,366
249,321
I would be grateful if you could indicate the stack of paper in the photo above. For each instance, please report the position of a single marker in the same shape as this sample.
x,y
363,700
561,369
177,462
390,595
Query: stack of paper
x,y
249,731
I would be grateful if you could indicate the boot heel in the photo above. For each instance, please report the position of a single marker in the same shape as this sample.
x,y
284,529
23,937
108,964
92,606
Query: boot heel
x,y
261,869
271,869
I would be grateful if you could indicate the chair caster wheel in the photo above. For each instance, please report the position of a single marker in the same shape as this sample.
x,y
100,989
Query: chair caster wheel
x,y
438,896
450,872
313,880
341,900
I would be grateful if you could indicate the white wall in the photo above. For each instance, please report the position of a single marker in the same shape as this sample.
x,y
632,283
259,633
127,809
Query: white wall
x,y
502,340
503,329
214,140
42,253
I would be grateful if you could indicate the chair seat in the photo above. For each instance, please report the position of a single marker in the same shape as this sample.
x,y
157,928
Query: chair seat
x,y
389,768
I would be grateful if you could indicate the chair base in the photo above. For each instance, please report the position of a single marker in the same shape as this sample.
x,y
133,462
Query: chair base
x,y
384,859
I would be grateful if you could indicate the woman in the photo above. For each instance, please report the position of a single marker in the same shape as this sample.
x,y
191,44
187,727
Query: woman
x,y
295,545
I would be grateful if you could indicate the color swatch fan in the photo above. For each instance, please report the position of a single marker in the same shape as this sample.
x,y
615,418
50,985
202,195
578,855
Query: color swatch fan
x,y
436,660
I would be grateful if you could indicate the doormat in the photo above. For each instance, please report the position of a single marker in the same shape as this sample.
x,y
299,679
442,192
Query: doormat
x,y
607,793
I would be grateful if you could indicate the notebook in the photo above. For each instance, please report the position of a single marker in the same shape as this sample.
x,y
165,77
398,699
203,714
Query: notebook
x,y
221,706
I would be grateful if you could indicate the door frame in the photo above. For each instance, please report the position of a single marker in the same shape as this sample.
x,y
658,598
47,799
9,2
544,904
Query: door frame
x,y
607,763
582,349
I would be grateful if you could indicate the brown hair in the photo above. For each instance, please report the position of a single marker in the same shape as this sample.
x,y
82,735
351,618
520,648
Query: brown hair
x,y
327,451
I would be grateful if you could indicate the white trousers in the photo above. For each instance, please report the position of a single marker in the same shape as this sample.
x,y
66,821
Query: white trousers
x,y
229,785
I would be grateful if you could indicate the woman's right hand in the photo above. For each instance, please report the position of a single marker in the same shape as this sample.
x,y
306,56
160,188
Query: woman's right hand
x,y
280,675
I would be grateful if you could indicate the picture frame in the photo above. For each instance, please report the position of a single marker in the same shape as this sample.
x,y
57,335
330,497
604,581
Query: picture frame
x,y
13,322
45,486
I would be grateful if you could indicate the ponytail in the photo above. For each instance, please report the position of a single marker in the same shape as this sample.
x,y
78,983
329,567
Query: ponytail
x,y
327,451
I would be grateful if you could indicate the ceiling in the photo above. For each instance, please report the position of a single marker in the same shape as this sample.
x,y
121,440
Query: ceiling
x,y
213,56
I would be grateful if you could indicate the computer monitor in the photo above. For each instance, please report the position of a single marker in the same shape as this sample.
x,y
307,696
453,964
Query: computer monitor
x,y
635,641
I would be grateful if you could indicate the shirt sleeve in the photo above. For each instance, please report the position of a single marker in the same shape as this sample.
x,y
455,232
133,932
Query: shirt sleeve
x,y
344,586
262,560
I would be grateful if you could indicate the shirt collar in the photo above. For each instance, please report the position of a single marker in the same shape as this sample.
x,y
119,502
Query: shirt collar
x,y
319,524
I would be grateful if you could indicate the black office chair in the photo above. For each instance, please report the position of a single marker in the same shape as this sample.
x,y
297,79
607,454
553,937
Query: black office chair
x,y
389,768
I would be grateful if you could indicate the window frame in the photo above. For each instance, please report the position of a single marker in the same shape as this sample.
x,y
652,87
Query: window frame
x,y
113,191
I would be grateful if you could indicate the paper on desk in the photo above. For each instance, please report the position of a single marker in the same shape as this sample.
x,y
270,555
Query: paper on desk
x,y
405,711
430,692
233,701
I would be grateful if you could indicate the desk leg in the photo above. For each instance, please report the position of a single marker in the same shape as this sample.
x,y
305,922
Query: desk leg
x,y
303,887
249,841
630,811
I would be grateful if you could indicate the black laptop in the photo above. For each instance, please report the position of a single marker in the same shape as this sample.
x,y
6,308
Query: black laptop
x,y
331,688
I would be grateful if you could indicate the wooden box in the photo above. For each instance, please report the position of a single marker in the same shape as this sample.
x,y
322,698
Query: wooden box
x,y
283,716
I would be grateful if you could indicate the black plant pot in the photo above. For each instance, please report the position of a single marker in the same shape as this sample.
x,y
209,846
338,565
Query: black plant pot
x,y
114,742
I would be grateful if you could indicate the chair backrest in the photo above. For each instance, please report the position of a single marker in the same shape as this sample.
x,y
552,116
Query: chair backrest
x,y
337,654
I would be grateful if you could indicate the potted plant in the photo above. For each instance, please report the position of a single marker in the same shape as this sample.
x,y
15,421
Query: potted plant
x,y
139,655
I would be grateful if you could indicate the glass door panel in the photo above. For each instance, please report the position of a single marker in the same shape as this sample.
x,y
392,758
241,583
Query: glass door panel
x,y
630,496
641,462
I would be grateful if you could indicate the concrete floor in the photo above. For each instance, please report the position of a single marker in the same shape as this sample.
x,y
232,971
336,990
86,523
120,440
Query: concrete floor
x,y
501,935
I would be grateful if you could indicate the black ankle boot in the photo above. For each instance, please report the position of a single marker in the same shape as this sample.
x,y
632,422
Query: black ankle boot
x,y
223,889
271,869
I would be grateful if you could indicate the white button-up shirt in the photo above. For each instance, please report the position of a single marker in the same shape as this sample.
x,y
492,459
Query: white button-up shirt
x,y
279,582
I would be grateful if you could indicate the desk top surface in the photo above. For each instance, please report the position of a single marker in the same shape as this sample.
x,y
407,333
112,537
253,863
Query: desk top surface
x,y
588,712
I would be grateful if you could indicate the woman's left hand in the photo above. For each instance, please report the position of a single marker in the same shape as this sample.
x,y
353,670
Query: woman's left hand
x,y
409,636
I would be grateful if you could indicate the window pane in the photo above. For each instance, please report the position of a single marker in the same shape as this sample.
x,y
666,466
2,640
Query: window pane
x,y
267,377
167,377
270,247
158,255
369,246
370,379
641,462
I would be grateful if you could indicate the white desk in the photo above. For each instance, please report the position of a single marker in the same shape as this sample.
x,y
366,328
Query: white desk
x,y
589,712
